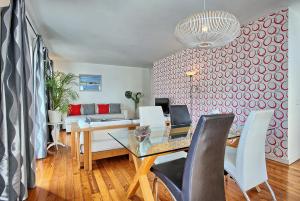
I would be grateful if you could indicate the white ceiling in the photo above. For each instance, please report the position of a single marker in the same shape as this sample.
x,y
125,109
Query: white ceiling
x,y
125,32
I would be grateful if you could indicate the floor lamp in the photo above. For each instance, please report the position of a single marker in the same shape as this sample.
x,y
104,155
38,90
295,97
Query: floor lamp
x,y
190,74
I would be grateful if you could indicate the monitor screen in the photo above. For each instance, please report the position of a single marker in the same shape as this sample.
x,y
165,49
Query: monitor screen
x,y
164,103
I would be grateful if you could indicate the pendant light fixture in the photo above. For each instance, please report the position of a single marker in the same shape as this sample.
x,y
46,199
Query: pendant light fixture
x,y
208,29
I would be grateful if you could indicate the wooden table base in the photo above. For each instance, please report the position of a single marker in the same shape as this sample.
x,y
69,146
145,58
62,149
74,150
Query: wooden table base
x,y
141,179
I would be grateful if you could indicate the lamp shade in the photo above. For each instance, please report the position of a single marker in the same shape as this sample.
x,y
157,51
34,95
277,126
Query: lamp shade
x,y
208,29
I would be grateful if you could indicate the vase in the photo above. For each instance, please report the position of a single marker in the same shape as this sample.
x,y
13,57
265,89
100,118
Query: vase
x,y
136,111
54,116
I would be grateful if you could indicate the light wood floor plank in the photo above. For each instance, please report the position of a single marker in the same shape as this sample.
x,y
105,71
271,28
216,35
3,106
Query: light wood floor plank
x,y
102,186
115,180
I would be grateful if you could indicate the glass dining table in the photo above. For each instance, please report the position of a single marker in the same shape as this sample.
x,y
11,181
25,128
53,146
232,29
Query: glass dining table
x,y
160,141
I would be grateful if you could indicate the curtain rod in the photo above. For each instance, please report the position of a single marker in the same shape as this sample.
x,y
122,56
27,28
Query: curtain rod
x,y
32,27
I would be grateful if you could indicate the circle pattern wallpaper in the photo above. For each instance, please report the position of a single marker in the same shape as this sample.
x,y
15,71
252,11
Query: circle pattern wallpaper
x,y
250,73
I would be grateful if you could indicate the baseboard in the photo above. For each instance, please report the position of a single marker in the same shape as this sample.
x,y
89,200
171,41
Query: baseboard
x,y
285,161
293,159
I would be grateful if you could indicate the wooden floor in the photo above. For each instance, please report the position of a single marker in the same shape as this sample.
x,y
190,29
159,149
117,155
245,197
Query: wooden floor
x,y
58,179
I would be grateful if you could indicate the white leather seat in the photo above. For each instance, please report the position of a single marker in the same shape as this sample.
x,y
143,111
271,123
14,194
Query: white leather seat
x,y
153,116
247,163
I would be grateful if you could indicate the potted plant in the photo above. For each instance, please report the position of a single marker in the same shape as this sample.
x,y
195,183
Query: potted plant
x,y
59,86
135,97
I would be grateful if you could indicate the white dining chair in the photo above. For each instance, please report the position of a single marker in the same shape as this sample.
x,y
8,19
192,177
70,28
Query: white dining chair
x,y
153,116
246,164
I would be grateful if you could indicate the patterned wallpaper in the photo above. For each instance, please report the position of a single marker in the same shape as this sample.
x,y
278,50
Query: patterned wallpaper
x,y
251,73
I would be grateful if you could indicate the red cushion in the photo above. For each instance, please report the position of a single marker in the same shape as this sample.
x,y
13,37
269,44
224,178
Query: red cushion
x,y
74,109
103,108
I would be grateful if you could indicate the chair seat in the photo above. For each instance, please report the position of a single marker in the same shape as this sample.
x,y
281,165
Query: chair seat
x,y
230,160
171,174
170,157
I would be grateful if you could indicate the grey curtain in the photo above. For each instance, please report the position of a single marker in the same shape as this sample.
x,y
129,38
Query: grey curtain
x,y
41,131
17,160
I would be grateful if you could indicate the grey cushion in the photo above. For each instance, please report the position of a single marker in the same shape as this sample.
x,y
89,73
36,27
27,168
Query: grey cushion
x,y
88,109
115,108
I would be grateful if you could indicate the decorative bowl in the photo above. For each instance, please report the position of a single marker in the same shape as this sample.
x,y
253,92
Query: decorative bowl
x,y
142,132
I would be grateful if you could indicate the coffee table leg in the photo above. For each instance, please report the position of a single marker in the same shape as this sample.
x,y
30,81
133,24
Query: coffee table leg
x,y
141,179
73,144
87,155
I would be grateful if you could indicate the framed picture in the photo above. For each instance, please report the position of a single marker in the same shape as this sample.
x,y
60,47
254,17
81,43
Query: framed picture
x,y
90,82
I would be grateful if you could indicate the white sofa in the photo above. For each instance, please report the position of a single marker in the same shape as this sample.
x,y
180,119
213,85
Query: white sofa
x,y
74,119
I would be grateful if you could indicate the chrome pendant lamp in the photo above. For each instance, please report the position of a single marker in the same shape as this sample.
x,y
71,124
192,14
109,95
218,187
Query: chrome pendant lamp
x,y
208,29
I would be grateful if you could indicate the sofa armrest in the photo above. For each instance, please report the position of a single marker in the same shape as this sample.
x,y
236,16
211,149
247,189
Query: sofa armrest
x,y
125,113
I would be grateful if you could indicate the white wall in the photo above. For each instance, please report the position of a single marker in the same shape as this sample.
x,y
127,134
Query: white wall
x,y
115,81
294,83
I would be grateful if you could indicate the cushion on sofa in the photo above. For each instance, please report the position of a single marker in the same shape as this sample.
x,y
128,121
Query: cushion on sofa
x,y
102,117
88,109
77,118
115,108
103,108
74,109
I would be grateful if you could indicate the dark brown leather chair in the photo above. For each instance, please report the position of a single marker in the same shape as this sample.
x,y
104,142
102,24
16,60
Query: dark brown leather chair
x,y
200,176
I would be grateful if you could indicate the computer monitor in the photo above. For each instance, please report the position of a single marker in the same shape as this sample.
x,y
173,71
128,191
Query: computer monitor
x,y
164,103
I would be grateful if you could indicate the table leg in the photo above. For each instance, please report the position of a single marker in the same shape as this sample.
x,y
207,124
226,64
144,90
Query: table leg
x,y
146,189
141,179
73,144
77,149
136,161
56,136
53,137
87,155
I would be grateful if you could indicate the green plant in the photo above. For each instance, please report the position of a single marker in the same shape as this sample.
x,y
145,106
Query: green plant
x,y
135,97
59,86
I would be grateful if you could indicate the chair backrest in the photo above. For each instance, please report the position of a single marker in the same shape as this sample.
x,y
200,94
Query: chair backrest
x,y
152,116
203,177
251,161
180,116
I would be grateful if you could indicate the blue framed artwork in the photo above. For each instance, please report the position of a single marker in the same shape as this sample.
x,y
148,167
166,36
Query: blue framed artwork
x,y
90,82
